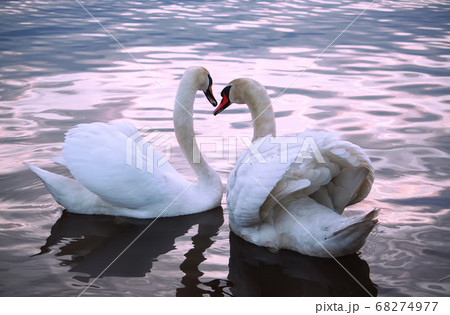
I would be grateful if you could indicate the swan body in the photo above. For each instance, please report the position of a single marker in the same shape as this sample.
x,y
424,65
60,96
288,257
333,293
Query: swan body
x,y
284,196
105,183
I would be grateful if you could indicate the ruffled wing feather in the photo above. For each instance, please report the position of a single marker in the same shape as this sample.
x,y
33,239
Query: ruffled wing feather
x,y
283,174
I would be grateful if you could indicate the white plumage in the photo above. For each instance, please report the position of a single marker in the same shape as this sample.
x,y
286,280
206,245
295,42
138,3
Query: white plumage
x,y
106,183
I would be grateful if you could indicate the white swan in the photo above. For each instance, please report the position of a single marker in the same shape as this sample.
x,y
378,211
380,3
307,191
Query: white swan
x,y
279,198
96,156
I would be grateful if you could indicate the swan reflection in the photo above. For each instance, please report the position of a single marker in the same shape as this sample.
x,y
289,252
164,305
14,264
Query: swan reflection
x,y
254,271
87,244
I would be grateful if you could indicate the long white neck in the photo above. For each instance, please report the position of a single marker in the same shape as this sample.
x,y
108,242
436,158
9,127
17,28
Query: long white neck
x,y
262,115
184,130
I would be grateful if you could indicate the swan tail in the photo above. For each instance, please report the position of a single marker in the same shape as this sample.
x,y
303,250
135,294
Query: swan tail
x,y
353,236
67,192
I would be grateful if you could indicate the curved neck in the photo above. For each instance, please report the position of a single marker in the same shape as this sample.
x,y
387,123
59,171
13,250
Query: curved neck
x,y
262,116
184,129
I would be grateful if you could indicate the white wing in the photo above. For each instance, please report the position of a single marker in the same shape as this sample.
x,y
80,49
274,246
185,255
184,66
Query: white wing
x,y
105,159
330,181
344,177
254,177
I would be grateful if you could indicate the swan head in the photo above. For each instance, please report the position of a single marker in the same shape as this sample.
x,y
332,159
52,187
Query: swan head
x,y
203,82
242,91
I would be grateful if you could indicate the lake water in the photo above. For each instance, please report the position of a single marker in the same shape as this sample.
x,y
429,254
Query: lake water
x,y
383,84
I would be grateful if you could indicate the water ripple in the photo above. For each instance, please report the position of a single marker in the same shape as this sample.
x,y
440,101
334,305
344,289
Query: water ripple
x,y
383,85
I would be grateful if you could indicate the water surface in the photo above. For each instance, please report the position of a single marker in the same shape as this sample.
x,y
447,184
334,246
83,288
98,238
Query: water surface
x,y
383,84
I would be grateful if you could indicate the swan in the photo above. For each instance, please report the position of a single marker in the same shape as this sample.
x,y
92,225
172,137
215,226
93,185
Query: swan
x,y
281,196
105,183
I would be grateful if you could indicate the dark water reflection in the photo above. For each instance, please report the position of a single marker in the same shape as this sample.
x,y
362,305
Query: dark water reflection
x,y
384,85
254,271
87,245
